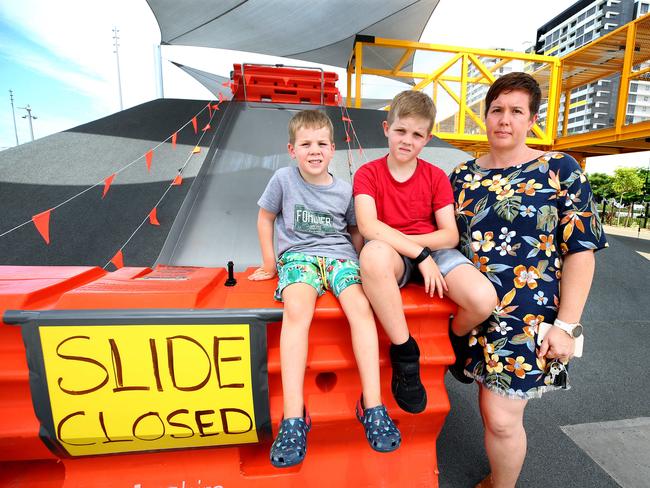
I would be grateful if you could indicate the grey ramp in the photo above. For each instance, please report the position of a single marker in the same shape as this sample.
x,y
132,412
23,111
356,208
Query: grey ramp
x,y
217,221
88,230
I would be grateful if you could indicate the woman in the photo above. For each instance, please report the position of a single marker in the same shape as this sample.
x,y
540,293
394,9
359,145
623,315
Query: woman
x,y
528,221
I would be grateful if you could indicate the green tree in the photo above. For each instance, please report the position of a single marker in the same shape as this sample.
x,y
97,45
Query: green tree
x,y
627,183
643,195
601,185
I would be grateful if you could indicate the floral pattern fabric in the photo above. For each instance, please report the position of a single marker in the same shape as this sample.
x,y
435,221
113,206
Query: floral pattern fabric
x,y
515,225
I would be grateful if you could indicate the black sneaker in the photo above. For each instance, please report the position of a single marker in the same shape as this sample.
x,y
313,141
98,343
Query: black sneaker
x,y
460,347
406,386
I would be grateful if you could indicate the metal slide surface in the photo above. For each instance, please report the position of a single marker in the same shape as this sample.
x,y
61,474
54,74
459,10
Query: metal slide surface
x,y
217,221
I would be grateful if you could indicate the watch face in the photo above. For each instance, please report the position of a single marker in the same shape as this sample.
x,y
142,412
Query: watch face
x,y
577,331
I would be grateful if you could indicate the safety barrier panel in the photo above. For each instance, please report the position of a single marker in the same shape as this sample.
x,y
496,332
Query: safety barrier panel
x,y
142,360
280,84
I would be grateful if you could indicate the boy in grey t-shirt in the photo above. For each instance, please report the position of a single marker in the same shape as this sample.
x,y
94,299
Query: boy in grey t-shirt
x,y
313,215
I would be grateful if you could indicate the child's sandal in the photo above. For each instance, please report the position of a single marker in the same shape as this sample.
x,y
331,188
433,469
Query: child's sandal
x,y
381,432
290,445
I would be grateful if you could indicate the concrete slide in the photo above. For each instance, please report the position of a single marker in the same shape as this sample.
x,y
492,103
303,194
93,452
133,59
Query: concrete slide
x,y
217,221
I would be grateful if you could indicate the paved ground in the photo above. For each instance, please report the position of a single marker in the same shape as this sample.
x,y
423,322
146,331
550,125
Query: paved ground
x,y
635,238
597,434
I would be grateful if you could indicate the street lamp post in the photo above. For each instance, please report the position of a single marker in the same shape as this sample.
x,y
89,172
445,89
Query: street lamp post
x,y
29,117
13,113
116,39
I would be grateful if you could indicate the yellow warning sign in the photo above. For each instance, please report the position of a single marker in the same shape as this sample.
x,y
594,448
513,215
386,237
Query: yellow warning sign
x,y
126,388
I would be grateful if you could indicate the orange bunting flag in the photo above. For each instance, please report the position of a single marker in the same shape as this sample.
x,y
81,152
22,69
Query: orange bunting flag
x,y
286,80
174,137
196,130
345,119
118,259
216,105
196,150
107,184
220,97
153,217
149,158
42,223
178,180
347,136
226,84
206,128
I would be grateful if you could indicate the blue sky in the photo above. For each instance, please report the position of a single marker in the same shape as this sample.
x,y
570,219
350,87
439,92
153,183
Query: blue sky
x,y
57,56
38,88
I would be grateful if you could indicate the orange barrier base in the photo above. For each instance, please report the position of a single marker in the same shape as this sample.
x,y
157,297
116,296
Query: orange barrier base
x,y
338,453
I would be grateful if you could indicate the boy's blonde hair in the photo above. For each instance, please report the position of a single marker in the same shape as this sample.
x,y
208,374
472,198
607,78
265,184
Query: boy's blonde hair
x,y
309,119
411,103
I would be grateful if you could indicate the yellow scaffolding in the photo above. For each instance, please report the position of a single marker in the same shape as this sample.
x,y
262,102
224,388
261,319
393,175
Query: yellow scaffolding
x,y
462,75
621,56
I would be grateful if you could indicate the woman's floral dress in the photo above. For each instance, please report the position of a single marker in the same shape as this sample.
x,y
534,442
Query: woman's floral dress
x,y
515,225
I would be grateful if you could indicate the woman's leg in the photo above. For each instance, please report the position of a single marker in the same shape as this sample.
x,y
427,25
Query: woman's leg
x,y
505,437
381,268
299,302
364,342
474,295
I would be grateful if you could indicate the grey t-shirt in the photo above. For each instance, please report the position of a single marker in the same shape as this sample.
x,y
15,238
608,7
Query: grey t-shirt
x,y
311,219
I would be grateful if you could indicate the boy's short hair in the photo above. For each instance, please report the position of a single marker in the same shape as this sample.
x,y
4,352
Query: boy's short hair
x,y
516,81
412,103
309,119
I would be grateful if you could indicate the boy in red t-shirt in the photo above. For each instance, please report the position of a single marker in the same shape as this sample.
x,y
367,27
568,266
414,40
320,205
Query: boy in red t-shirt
x,y
404,208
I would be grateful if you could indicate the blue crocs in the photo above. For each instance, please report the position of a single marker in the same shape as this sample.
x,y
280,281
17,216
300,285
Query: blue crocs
x,y
381,432
290,446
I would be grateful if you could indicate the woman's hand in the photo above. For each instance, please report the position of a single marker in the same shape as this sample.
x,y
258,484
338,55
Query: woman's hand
x,y
557,344
261,274
433,279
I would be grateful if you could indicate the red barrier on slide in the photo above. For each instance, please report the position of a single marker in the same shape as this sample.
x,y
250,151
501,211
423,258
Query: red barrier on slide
x,y
279,84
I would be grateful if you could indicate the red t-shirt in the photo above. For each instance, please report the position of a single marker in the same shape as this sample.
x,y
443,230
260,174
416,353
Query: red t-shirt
x,y
407,206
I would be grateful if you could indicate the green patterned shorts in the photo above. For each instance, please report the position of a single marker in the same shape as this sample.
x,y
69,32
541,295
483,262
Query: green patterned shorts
x,y
320,272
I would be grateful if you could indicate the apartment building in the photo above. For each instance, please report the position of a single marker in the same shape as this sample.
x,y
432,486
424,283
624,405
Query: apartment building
x,y
593,106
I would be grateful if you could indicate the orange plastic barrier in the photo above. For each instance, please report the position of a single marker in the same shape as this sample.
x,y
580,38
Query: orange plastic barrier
x,y
284,85
338,454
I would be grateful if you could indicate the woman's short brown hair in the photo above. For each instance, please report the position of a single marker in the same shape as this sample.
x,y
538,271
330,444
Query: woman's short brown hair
x,y
516,81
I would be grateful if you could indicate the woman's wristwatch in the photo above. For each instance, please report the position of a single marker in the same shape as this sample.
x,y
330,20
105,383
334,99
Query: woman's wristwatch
x,y
574,330
426,252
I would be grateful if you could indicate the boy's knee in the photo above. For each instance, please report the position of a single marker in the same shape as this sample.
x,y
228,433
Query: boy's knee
x,y
373,254
482,299
487,300
297,312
